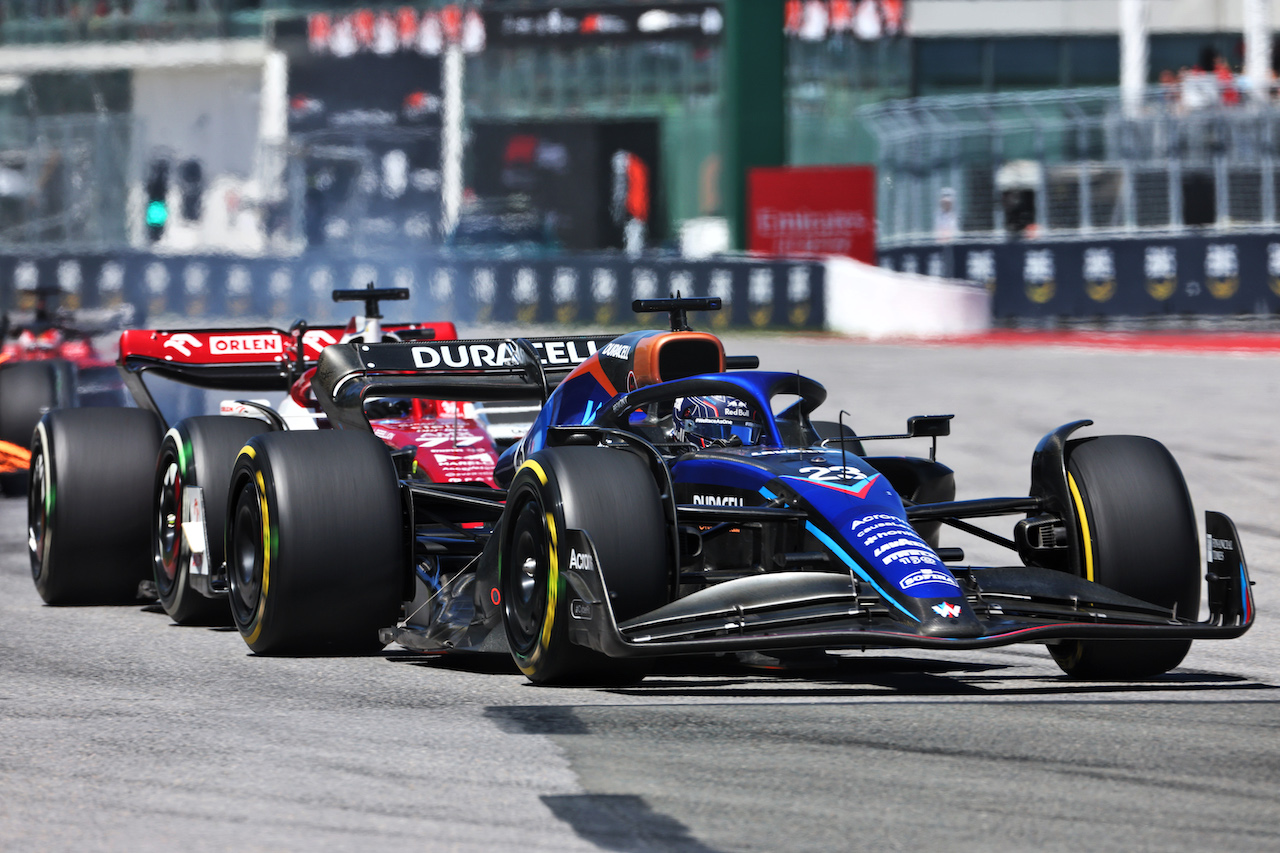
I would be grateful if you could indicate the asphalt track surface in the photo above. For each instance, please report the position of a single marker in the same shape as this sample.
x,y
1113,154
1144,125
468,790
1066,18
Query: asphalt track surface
x,y
121,731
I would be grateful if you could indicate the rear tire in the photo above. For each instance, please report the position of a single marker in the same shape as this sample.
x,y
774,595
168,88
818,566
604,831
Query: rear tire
x,y
198,452
28,389
89,509
1139,537
611,495
315,543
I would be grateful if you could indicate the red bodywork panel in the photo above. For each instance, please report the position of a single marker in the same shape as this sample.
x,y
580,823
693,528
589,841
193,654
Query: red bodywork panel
x,y
51,344
451,444
263,345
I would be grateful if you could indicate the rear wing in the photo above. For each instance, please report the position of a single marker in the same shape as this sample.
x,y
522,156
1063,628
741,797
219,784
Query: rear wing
x,y
480,370
243,359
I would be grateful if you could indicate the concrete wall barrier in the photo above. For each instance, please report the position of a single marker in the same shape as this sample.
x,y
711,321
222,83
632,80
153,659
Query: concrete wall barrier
x,y
873,302
596,290
1196,274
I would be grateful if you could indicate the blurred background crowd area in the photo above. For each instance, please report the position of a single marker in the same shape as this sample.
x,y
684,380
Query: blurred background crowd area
x,y
275,127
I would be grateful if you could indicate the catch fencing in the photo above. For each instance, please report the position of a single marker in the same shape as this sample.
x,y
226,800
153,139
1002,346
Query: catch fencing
x,y
65,180
1074,164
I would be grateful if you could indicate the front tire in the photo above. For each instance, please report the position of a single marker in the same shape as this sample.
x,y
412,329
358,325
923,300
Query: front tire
x,y
89,507
315,544
611,495
198,452
1138,536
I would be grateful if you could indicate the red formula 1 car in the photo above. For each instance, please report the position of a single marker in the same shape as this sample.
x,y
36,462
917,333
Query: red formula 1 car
x,y
119,497
48,361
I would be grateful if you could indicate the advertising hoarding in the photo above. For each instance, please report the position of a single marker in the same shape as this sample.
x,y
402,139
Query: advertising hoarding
x,y
805,211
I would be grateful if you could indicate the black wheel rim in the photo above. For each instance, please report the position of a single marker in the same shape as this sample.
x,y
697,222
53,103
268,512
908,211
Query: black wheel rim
x,y
525,578
245,557
37,512
167,548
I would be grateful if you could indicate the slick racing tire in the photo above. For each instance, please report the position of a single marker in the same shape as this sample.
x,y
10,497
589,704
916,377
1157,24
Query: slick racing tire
x,y
198,452
611,495
1138,536
89,508
315,543
28,389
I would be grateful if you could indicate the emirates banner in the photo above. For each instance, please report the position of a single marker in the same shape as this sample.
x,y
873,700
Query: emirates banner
x,y
1199,275
824,210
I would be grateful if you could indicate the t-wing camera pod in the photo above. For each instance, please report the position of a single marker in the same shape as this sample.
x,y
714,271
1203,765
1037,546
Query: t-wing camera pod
x,y
372,332
371,296
676,308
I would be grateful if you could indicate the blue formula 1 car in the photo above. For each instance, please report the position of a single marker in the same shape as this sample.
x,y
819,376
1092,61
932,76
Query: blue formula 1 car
x,y
670,500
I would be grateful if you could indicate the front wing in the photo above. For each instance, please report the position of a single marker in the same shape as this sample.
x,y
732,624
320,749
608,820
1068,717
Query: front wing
x,y
827,610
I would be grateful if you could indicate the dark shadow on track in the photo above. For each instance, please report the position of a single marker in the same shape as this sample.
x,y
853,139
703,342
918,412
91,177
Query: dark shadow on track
x,y
536,719
896,678
484,663
216,622
847,679
623,822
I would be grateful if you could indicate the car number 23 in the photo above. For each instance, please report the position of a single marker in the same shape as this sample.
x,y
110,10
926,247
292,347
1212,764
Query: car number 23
x,y
826,473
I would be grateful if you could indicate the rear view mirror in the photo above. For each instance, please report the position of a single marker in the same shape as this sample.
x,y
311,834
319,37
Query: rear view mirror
x,y
921,426
929,426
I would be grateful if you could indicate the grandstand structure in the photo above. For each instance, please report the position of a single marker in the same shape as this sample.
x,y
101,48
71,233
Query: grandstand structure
x,y
1009,106
94,92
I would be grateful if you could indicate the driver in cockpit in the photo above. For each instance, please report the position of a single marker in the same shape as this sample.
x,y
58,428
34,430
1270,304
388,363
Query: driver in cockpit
x,y
716,421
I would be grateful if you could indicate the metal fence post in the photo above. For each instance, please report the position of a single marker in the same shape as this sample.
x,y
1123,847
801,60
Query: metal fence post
x,y
1268,172
1176,216
1085,183
1129,194
1221,191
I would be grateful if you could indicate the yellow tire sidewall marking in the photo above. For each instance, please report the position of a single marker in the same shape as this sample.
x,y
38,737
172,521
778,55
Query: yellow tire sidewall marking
x,y
553,583
1084,527
266,554
536,469
553,578
553,593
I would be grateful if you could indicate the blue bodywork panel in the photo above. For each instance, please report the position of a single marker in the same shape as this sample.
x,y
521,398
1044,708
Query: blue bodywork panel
x,y
854,512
